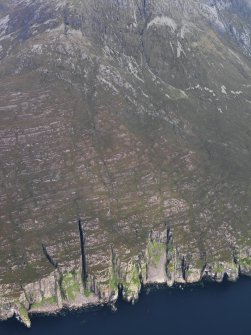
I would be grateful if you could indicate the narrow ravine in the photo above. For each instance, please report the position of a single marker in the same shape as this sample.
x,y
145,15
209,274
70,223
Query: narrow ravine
x,y
83,253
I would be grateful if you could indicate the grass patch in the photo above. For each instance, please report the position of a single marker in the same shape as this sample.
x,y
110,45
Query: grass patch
x,y
24,314
70,285
45,302
87,293
155,250
245,262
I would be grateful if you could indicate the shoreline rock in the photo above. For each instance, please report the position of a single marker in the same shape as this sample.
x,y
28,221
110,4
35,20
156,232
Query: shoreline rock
x,y
162,264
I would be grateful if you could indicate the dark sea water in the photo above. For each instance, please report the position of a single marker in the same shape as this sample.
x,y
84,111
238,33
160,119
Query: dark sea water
x,y
196,310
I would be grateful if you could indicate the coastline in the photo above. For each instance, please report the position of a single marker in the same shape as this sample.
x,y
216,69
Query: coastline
x,y
162,264
51,311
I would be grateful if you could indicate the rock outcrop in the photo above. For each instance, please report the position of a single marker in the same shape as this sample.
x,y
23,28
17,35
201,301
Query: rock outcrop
x,y
160,264
125,131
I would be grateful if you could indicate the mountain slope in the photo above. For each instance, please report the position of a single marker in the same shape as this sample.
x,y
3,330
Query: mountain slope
x,y
133,117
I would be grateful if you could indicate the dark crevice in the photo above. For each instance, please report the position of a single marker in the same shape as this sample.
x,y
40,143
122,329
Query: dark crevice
x,y
120,292
139,264
184,267
235,258
49,258
203,270
83,253
236,261
169,236
94,287
60,284
169,248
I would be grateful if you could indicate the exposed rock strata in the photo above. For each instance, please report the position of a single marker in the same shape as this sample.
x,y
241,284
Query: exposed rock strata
x,y
126,115
160,264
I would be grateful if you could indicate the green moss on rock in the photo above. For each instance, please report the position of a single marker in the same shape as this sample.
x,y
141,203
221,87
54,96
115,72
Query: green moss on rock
x,y
245,262
113,282
70,285
45,302
23,314
132,283
155,250
87,293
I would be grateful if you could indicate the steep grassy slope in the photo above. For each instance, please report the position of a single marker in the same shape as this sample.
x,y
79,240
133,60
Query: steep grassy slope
x,y
135,117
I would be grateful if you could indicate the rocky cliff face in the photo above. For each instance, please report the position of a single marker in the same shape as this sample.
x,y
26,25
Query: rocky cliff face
x,y
125,148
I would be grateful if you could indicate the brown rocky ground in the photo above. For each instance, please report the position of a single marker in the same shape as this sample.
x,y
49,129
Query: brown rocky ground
x,y
134,117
